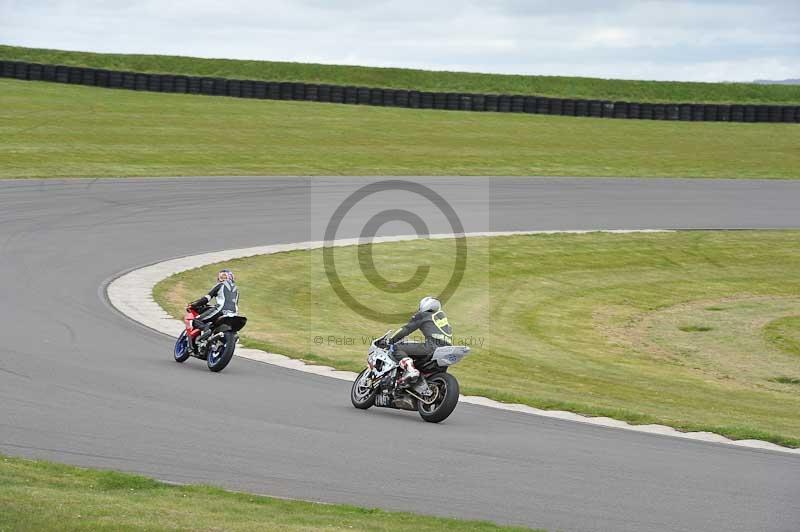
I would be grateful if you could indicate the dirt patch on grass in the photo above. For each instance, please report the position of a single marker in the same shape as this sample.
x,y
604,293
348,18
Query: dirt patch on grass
x,y
173,296
731,339
784,333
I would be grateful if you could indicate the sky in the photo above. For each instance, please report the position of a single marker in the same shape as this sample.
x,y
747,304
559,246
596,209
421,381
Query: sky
x,y
691,40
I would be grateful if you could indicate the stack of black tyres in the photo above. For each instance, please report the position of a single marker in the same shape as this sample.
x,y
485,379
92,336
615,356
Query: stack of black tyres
x,y
273,90
337,94
673,112
401,98
396,97
504,103
21,71
233,88
34,72
350,95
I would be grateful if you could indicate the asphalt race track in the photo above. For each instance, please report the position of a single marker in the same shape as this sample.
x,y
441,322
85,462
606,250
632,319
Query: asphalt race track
x,y
82,384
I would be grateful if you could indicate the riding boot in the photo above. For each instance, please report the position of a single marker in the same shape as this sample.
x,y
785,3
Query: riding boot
x,y
410,373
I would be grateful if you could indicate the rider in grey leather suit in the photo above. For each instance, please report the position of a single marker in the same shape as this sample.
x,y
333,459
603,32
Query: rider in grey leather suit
x,y
225,298
432,321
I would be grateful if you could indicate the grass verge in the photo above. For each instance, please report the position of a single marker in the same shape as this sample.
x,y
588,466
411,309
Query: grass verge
x,y
649,328
39,495
784,333
55,130
399,78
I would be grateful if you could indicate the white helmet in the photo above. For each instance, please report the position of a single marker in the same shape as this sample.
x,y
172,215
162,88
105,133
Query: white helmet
x,y
429,304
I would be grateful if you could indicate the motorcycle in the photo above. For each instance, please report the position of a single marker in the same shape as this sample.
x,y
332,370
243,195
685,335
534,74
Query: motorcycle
x,y
434,395
216,348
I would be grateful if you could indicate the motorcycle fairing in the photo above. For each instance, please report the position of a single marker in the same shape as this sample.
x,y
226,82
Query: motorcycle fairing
x,y
380,362
449,354
188,319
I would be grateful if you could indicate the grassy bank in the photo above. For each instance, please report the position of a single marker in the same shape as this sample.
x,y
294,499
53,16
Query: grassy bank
x,y
397,78
685,329
55,130
38,495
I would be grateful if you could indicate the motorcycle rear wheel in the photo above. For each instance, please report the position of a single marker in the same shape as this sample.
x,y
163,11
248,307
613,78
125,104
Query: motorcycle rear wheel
x,y
361,396
220,356
446,401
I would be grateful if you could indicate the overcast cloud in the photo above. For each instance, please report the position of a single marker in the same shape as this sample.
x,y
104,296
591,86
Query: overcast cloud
x,y
699,40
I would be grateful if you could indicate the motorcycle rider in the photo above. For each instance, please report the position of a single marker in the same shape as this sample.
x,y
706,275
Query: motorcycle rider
x,y
432,321
226,303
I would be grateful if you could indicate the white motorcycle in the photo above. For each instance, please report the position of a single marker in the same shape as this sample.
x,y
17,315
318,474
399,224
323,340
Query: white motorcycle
x,y
434,394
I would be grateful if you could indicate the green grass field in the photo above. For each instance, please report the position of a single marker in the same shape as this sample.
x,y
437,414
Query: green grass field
x,y
38,495
56,130
696,330
784,333
397,78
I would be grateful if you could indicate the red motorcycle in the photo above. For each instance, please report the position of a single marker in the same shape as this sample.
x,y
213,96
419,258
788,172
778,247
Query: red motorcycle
x,y
216,348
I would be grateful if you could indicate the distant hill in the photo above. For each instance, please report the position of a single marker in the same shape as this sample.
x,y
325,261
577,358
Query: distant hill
x,y
778,81
422,80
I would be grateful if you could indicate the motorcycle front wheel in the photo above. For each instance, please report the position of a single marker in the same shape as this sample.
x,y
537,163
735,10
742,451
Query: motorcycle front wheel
x,y
181,348
361,395
220,352
446,398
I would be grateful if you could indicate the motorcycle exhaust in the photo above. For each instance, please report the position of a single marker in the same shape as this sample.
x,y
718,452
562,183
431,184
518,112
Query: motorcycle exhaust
x,y
404,403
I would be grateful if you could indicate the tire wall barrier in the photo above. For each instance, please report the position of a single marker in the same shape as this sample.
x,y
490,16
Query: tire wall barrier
x,y
502,103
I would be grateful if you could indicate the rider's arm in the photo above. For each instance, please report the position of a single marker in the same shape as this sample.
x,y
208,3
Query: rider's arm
x,y
213,292
412,325
206,299
214,309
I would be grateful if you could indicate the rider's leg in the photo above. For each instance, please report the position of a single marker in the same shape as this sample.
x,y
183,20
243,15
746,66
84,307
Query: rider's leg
x,y
205,328
410,373
407,353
